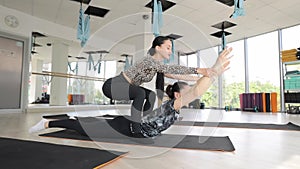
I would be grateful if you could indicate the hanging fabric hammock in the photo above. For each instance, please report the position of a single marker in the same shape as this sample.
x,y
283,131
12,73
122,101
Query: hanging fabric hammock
x,y
75,70
127,65
83,28
80,26
223,41
86,33
157,18
90,61
238,9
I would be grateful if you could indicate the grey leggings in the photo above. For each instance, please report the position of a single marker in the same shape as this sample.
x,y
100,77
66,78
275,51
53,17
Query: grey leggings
x,y
118,88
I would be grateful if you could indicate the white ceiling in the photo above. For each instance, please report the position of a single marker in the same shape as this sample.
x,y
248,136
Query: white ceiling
x,y
190,18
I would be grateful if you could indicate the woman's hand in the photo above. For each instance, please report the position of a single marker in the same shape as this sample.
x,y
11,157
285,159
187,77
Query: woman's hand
x,y
203,71
222,63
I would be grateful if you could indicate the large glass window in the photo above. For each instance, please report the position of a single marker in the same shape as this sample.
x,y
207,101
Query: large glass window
x,y
207,59
263,61
183,60
290,38
192,60
234,78
92,89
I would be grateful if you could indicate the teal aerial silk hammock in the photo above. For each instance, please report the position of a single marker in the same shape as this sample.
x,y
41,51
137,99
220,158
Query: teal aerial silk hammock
x,y
127,65
80,26
83,28
75,70
238,9
157,18
86,33
90,61
223,41
99,66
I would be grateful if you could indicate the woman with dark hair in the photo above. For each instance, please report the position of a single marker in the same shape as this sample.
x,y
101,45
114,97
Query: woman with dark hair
x,y
152,124
174,91
179,88
126,86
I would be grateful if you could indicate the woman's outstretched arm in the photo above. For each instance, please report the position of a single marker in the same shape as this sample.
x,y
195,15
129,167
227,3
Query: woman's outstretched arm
x,y
182,77
201,86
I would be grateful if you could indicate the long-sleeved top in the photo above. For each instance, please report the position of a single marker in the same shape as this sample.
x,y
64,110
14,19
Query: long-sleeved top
x,y
144,70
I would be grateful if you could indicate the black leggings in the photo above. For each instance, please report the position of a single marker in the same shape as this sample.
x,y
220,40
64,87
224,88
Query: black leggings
x,y
96,127
118,88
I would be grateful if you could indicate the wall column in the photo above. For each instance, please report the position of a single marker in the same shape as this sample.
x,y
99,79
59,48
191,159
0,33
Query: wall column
x,y
36,80
58,89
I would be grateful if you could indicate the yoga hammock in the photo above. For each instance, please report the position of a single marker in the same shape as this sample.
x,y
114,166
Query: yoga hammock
x,y
75,70
127,65
223,41
223,38
80,27
92,63
83,28
86,30
157,18
238,9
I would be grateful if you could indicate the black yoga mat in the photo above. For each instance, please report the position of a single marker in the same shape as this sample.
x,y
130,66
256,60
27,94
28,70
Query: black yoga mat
x,y
56,117
164,140
288,126
17,154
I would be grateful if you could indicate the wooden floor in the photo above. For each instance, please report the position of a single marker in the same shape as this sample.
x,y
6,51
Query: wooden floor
x,y
255,148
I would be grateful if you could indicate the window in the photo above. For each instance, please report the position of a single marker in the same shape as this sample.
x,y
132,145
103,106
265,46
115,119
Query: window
x,y
207,59
234,78
290,38
192,60
183,60
263,61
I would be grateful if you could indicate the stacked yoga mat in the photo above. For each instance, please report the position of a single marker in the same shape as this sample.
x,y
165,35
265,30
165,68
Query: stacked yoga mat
x,y
290,55
258,102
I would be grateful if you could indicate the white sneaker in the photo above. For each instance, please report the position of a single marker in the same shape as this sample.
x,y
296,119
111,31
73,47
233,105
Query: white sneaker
x,y
38,127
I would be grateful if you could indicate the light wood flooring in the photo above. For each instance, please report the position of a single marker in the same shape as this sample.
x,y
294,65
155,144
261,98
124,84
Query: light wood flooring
x,y
255,148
